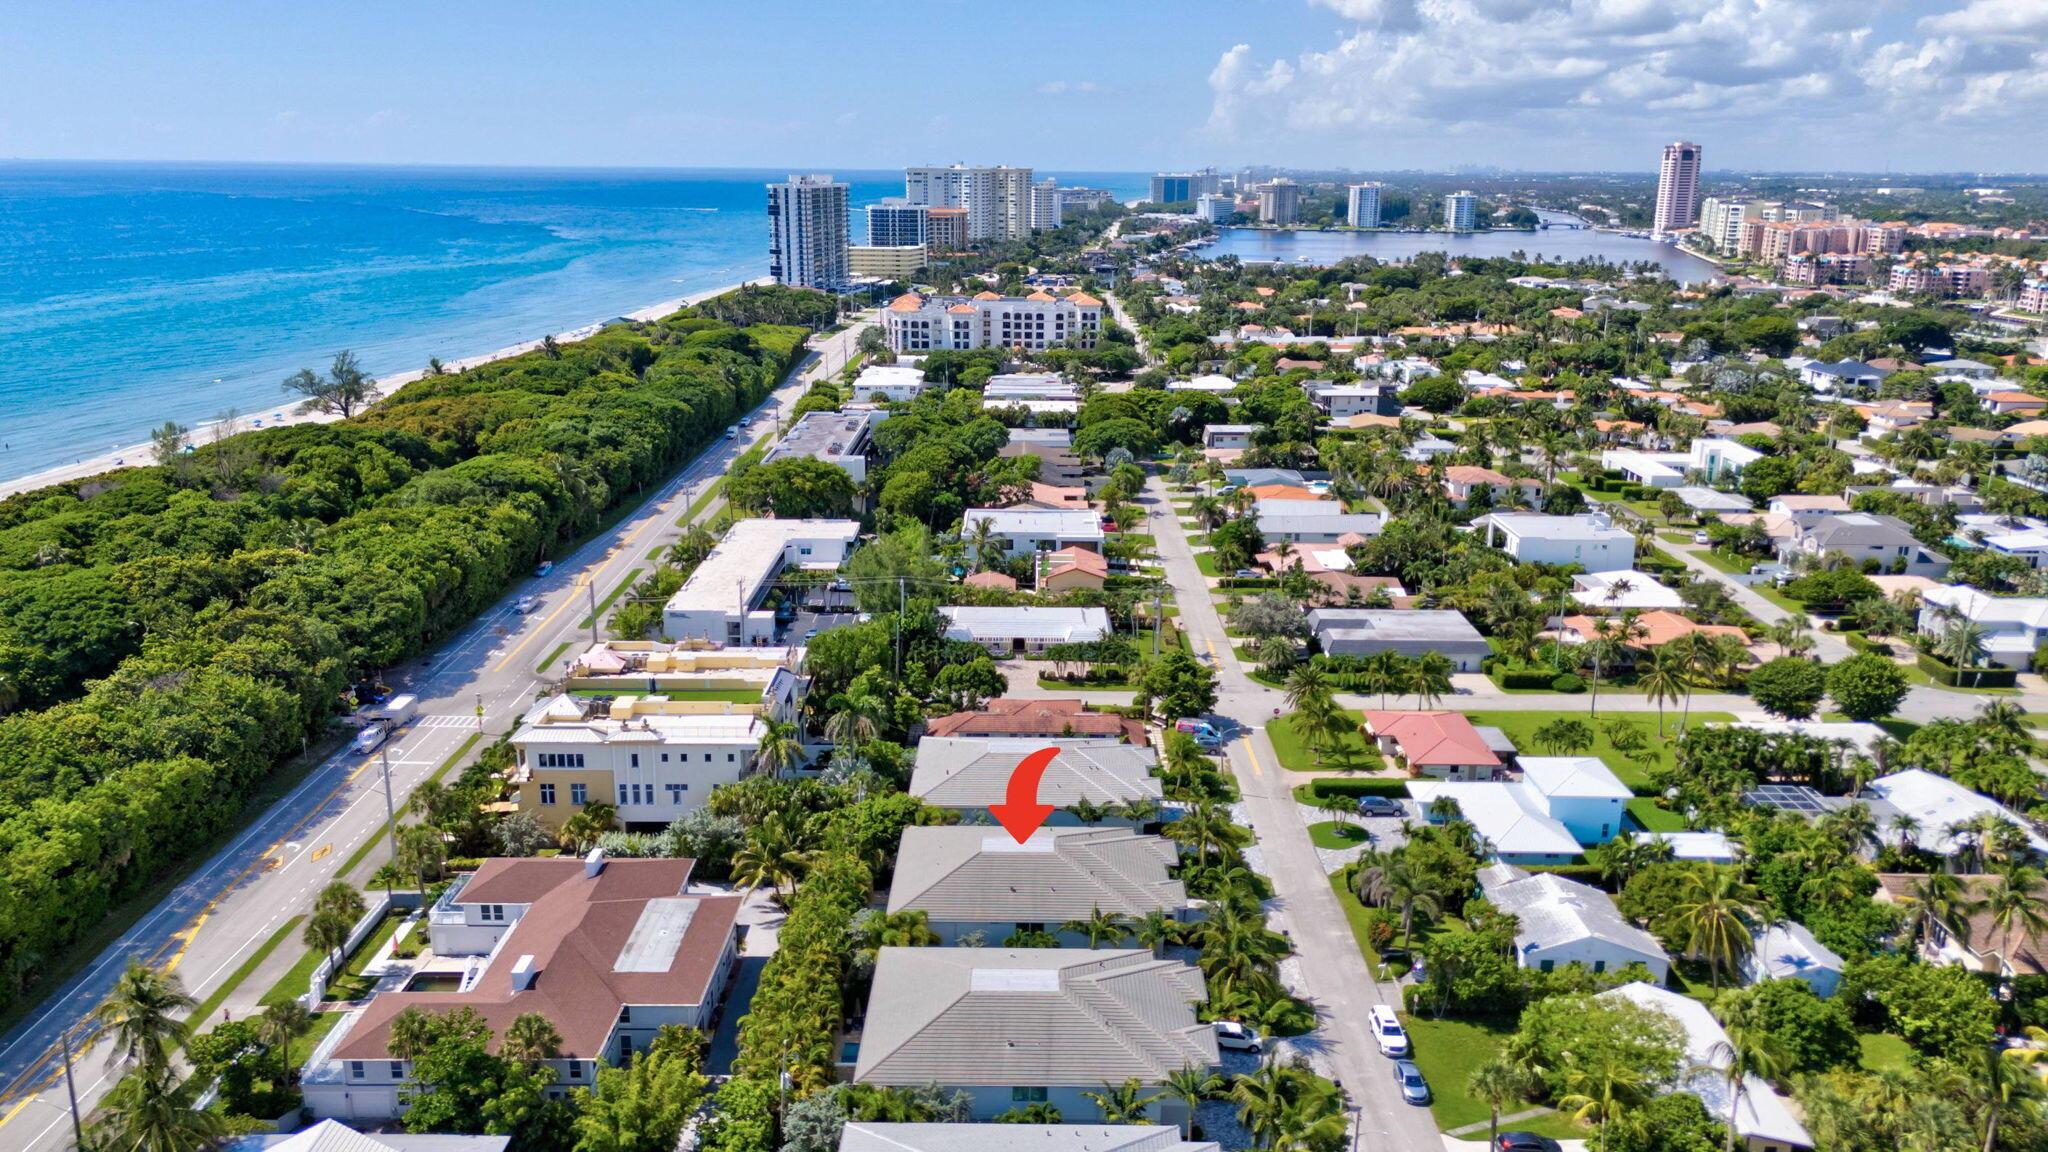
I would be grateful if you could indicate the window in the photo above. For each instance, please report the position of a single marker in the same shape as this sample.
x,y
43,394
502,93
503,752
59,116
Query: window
x,y
622,794
625,1014
575,1069
625,1048
731,757
579,793
355,1069
491,913
1547,965
675,793
1599,966
664,757
1027,1095
547,793
559,759
398,1069
635,759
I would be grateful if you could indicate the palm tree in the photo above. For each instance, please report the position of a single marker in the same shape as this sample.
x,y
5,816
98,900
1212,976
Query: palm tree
x,y
1390,881
1938,899
1565,736
853,722
152,1112
581,831
1432,677
776,853
1123,1103
1099,927
279,1025
1792,636
1603,1090
1498,1081
2001,1084
981,537
2003,721
910,928
1715,910
2015,903
1207,828
529,1039
1663,680
141,1014
780,749
1306,683
1749,1050
1962,645
1609,645
1191,1085
1155,929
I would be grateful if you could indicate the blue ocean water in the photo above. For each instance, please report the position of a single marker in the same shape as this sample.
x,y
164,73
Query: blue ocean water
x,y
135,294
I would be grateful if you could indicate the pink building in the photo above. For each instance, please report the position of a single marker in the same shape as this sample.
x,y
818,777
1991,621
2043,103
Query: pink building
x,y
1946,280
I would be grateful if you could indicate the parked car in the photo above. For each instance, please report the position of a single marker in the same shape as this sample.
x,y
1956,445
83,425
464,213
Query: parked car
x,y
525,604
1524,1142
1414,1089
543,568
1243,1037
1378,806
1387,1031
1701,538
1246,574
1204,733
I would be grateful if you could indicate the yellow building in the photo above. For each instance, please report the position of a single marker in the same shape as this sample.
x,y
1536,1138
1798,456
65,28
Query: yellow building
x,y
654,759
899,263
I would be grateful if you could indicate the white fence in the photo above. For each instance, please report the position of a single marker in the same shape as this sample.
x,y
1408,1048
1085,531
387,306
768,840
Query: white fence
x,y
380,903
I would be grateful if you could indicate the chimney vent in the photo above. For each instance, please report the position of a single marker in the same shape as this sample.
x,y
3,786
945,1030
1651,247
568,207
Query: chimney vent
x,y
523,973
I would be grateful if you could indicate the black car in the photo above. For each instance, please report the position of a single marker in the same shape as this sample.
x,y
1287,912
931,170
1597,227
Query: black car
x,y
1524,1142
1378,806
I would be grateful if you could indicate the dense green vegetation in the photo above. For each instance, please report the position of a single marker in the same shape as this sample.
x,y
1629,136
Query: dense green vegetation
x,y
172,633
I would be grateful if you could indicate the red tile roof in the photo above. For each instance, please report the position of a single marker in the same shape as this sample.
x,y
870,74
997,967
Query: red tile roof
x,y
1045,719
1432,738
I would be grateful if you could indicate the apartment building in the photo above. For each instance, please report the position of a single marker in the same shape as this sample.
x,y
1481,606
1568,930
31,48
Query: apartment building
x,y
899,263
1046,205
945,230
1036,322
1279,202
1461,211
717,604
1833,268
1362,205
807,232
681,672
843,439
1184,187
1945,280
1721,219
1215,208
654,758
1678,188
2033,296
897,223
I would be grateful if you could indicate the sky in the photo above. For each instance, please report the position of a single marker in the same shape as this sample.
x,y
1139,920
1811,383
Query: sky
x,y
1105,85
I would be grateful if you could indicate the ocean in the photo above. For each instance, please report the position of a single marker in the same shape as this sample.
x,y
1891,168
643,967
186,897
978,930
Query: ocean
x,y
132,294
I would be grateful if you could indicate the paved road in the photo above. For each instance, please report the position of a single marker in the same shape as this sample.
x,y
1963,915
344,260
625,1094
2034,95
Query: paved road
x,y
208,927
1332,968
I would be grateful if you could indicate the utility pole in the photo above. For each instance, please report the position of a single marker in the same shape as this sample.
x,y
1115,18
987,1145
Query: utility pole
x,y
390,817
591,587
1158,619
70,1092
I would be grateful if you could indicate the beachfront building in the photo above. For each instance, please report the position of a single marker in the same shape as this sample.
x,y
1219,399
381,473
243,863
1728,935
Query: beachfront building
x,y
1184,187
607,951
1033,323
718,603
997,200
655,759
897,223
807,232
868,262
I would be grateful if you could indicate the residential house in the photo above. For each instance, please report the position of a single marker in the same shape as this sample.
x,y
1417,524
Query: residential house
x,y
1007,630
1884,541
708,676
979,883
1590,540
720,601
1460,480
1706,501
607,951
1407,631
1313,521
1652,629
334,1136
867,1136
999,581
1343,401
1019,718
1560,921
1975,942
1560,806
1841,376
1939,812
655,759
2028,545
1787,951
1695,847
1228,436
1070,568
1623,590
1014,532
968,775
2014,403
1763,1120
1708,458
1014,1027
888,383
2014,627
1054,496
1440,745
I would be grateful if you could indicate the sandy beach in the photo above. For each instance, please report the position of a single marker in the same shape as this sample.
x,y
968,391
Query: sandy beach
x,y
289,413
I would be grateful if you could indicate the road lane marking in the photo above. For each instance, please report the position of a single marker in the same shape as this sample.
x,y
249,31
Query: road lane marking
x,y
1254,754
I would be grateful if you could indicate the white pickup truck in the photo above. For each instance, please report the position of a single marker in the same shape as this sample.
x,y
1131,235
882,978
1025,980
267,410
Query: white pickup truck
x,y
385,719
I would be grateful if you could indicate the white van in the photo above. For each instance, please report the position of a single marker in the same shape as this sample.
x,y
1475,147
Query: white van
x,y
1387,1031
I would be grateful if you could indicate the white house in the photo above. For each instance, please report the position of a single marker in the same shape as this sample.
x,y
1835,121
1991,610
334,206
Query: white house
x,y
1710,459
716,603
842,439
1561,921
1578,792
1787,951
2014,626
656,759
1021,531
1228,435
1885,541
1342,401
1589,540
1009,630
1763,1119
1624,590
1559,806
1312,521
1938,807
892,383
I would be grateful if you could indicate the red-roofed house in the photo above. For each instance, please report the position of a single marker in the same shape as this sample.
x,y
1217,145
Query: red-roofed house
x,y
1461,479
607,951
1000,581
1440,745
1071,568
1037,719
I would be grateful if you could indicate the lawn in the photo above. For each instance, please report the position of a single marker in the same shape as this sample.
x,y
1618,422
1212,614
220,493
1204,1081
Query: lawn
x,y
1355,915
304,1043
1521,728
352,984
1447,1051
1883,1050
1206,563
1330,834
1733,565
1351,753
1653,818
719,695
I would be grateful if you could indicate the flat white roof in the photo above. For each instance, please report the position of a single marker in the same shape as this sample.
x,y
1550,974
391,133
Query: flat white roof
x,y
731,577
1067,523
1026,622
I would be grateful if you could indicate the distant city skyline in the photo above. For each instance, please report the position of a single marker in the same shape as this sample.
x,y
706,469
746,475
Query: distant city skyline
x,y
1921,86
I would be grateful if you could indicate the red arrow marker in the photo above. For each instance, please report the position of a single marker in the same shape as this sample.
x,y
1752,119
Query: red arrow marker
x,y
1020,811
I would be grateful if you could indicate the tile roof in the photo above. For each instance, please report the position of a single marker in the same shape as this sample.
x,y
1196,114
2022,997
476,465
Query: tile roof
x,y
908,302
1075,558
1551,910
1431,738
964,772
1653,629
1059,874
585,938
862,1136
1046,719
1057,1017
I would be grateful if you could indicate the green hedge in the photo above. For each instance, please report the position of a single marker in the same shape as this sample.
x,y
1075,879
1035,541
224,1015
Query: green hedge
x,y
1372,786
1512,678
1248,582
1583,873
1945,673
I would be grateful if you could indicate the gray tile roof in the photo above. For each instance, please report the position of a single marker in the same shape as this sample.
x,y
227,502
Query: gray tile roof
x,y
859,1136
1862,530
973,772
1034,1016
1060,874
1551,910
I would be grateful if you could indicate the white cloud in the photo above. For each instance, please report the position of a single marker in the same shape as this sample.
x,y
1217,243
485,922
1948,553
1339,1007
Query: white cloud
x,y
1768,76
1070,87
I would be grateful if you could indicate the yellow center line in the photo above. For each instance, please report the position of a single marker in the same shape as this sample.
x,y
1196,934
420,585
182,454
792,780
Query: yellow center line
x,y
533,634
1252,753
16,1110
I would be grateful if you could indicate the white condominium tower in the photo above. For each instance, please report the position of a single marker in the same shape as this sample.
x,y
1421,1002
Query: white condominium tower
x,y
897,223
807,232
1364,209
1678,188
1045,205
1279,202
1461,211
998,200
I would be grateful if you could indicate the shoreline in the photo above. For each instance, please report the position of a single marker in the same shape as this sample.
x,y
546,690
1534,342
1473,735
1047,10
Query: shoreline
x,y
138,455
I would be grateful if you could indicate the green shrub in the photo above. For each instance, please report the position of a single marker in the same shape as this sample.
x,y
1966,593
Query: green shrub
x,y
1336,786
1569,682
1944,673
